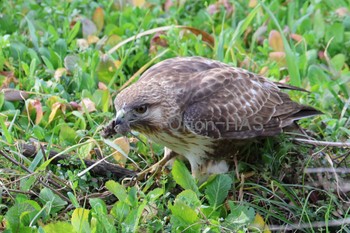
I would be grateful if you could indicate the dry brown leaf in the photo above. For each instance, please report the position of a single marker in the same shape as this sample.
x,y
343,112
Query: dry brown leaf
x,y
82,44
167,5
88,27
55,107
253,3
157,41
71,62
9,78
35,105
124,145
214,8
298,38
342,11
89,105
113,40
138,3
59,73
260,224
92,39
264,71
98,18
275,41
279,57
14,95
102,86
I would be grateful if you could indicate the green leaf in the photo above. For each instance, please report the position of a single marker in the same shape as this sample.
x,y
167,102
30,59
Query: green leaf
x,y
120,211
32,33
2,98
217,190
117,189
155,194
132,220
67,135
56,203
184,217
5,131
84,150
80,220
240,216
74,32
99,212
189,198
21,214
98,205
73,199
59,227
183,177
27,183
319,25
338,61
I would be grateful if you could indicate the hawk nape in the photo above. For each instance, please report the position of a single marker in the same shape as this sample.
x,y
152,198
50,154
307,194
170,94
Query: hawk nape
x,y
204,110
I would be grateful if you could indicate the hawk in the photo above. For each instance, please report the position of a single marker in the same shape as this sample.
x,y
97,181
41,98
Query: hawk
x,y
204,110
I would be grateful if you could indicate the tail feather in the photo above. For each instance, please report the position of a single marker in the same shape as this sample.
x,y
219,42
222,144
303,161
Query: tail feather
x,y
304,112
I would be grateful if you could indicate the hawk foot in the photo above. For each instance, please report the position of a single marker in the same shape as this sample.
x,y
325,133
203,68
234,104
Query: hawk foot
x,y
155,168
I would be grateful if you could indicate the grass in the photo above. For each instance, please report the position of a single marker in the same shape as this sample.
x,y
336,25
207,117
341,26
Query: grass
x,y
71,59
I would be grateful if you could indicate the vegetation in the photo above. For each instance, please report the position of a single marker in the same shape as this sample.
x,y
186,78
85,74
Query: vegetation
x,y
62,64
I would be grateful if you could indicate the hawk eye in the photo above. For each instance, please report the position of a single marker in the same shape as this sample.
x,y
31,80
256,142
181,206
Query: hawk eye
x,y
141,109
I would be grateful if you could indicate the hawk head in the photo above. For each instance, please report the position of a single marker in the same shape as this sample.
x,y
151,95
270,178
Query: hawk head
x,y
140,108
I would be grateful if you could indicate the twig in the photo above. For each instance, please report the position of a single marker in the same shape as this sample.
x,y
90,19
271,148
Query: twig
x,y
102,169
322,143
314,225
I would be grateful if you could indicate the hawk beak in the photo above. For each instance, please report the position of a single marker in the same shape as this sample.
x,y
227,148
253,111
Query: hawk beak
x,y
120,117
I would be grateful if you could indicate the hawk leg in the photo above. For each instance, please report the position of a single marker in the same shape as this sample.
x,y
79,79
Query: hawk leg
x,y
168,155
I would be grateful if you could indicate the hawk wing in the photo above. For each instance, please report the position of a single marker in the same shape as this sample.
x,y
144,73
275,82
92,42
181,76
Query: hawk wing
x,y
233,103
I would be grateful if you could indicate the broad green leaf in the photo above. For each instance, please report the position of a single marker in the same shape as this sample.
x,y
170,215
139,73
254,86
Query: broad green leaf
x,y
73,199
316,75
27,183
46,196
21,214
80,220
335,32
319,25
84,150
240,216
217,190
104,222
183,216
67,135
59,227
98,205
131,222
120,211
32,33
155,194
338,61
117,189
183,177
189,198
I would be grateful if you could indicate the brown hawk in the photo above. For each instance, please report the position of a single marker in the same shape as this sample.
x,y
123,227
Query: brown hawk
x,y
204,110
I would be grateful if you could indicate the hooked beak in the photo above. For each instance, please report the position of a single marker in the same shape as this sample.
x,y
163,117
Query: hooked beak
x,y
120,117
118,125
